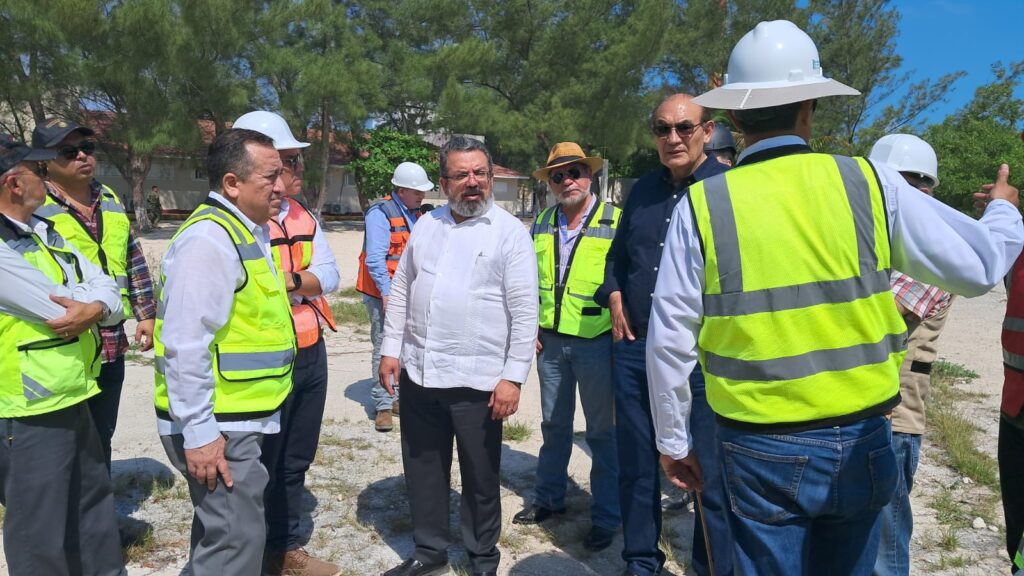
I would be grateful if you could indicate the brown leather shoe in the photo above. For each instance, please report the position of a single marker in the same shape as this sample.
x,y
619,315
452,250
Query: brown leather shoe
x,y
394,408
298,562
383,422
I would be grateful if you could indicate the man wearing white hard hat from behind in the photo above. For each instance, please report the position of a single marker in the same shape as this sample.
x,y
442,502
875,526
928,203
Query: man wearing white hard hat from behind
x,y
388,225
794,322
310,271
924,308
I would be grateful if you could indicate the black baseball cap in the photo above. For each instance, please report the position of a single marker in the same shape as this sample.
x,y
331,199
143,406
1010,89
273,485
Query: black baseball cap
x,y
14,152
52,131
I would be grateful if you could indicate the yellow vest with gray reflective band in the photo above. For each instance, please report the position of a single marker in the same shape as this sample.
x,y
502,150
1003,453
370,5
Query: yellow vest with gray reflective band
x,y
569,308
39,371
111,252
253,353
799,321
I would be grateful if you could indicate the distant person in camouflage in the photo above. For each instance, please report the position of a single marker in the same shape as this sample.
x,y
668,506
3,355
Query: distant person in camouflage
x,y
153,208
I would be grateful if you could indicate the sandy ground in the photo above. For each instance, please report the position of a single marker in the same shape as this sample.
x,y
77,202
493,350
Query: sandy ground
x,y
356,509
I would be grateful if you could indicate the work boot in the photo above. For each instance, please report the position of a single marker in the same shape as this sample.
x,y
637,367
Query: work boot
x,y
383,421
298,562
394,408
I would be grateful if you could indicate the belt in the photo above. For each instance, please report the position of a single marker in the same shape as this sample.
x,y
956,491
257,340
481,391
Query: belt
x,y
921,367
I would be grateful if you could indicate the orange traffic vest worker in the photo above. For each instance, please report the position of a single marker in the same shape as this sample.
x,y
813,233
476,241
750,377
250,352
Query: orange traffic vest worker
x,y
400,230
1011,422
292,241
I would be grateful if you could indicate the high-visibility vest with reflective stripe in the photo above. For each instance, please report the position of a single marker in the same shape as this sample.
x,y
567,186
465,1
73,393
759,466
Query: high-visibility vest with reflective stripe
x,y
799,323
569,308
1013,342
400,230
253,353
111,252
292,242
41,372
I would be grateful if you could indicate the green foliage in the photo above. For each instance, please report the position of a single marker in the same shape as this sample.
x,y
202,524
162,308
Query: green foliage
x,y
376,155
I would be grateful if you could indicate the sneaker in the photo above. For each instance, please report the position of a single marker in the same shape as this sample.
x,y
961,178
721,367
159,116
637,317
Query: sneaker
x,y
676,503
298,562
383,422
394,408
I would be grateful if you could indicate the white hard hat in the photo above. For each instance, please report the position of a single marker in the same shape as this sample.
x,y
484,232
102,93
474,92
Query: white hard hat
x,y
776,63
907,153
412,175
270,124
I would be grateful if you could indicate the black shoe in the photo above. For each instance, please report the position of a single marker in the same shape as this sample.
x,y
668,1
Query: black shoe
x,y
413,567
534,514
598,539
676,503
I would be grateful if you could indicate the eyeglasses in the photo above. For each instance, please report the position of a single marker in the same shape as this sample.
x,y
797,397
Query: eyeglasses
x,y
463,176
684,129
575,173
71,152
293,162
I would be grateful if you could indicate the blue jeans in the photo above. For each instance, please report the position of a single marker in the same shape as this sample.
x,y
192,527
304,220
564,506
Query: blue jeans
x,y
564,361
639,469
897,520
375,309
704,432
809,502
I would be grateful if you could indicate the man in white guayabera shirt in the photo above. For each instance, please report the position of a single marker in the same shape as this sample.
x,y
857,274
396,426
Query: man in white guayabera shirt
x,y
462,317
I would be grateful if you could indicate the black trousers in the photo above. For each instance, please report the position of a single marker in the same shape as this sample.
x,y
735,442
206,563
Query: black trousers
x,y
287,455
104,406
1011,480
60,517
431,419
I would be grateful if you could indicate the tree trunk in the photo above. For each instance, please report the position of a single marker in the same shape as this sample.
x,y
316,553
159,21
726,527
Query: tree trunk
x,y
325,158
138,168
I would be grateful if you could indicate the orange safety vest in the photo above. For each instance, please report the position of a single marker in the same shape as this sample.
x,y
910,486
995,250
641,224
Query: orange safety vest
x,y
1013,342
292,242
400,230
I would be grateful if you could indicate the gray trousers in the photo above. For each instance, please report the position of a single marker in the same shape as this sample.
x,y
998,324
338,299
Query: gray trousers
x,y
381,399
228,530
60,518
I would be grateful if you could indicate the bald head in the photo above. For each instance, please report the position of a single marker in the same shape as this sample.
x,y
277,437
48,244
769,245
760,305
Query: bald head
x,y
681,129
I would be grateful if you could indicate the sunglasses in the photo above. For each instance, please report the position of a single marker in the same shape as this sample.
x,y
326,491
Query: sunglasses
x,y
575,173
71,152
293,162
684,129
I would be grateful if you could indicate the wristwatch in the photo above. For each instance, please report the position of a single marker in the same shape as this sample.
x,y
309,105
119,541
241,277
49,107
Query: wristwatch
x,y
296,280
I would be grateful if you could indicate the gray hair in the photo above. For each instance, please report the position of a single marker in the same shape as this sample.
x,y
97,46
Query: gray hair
x,y
462,144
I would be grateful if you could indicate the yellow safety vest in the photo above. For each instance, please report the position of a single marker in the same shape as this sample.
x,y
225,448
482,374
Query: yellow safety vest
x,y
799,322
111,252
253,353
569,308
39,371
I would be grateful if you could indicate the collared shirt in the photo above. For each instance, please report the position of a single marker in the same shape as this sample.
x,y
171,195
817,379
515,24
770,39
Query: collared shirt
x,y
463,305
568,237
635,253
929,240
26,290
323,265
140,284
202,271
920,299
378,240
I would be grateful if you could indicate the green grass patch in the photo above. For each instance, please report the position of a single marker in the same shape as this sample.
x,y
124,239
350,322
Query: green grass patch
x,y
141,547
349,292
348,312
949,429
948,510
516,431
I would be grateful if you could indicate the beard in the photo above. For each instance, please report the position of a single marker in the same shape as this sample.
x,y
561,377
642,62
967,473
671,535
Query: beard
x,y
471,208
572,201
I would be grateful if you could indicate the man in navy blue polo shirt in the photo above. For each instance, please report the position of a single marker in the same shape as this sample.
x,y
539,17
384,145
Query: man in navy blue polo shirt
x,y
681,129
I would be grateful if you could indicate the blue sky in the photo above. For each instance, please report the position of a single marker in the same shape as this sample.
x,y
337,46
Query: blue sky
x,y
940,36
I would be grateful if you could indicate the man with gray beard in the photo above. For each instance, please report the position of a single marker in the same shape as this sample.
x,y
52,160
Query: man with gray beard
x,y
571,241
459,336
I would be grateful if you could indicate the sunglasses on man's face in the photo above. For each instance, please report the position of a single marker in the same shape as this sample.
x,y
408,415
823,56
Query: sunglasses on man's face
x,y
558,177
684,129
71,152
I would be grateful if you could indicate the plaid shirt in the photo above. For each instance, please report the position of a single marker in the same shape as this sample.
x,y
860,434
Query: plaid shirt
x,y
140,284
923,300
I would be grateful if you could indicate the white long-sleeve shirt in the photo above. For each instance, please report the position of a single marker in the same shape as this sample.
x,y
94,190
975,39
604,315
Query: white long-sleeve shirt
x,y
323,265
202,271
929,241
463,304
26,290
